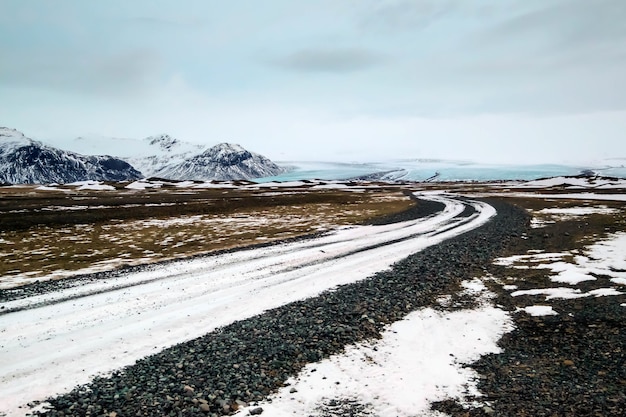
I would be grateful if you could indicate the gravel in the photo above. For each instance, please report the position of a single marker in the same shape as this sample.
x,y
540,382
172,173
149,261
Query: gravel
x,y
569,364
242,363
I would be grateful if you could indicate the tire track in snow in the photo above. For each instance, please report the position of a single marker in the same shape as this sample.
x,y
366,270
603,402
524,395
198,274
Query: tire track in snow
x,y
62,339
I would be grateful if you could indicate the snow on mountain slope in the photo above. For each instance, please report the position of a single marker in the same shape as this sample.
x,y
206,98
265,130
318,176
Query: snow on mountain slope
x,y
161,151
148,155
224,161
25,161
167,157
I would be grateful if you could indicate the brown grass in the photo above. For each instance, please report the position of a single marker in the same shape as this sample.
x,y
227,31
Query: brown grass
x,y
45,233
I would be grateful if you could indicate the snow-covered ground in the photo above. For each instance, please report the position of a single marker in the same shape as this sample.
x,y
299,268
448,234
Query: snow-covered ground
x,y
125,319
605,258
417,361
61,339
421,359
552,215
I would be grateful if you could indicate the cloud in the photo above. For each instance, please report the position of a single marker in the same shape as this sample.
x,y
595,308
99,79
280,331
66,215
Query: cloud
x,y
332,60
171,23
574,23
556,57
403,15
86,72
393,71
456,58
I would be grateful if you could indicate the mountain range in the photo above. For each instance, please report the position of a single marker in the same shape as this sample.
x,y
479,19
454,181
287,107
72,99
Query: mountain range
x,y
149,155
23,160
26,161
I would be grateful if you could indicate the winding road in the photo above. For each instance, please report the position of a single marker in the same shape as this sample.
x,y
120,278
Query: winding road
x,y
51,342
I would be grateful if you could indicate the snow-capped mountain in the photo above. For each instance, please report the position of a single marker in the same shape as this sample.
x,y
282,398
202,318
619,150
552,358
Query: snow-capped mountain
x,y
148,155
26,161
161,151
167,157
224,161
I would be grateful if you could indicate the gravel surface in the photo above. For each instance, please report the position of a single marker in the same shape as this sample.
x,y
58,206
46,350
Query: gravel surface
x,y
247,360
569,364
558,366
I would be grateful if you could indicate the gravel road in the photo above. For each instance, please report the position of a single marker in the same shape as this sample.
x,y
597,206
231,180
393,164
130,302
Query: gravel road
x,y
243,362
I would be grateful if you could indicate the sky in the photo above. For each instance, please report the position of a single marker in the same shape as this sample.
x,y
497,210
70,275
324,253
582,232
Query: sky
x,y
507,81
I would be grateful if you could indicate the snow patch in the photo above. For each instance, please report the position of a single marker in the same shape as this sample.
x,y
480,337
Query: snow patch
x,y
92,186
603,258
142,185
552,215
566,196
417,361
567,293
575,182
550,293
287,184
46,188
604,292
539,310
577,211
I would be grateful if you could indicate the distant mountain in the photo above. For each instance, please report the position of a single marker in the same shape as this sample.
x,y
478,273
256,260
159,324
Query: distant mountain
x,y
26,161
164,156
162,151
148,155
224,161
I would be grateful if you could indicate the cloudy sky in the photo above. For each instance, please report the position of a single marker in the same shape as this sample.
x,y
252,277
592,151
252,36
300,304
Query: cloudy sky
x,y
524,81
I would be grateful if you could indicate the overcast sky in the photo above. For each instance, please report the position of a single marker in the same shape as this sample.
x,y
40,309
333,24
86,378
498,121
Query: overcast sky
x,y
523,81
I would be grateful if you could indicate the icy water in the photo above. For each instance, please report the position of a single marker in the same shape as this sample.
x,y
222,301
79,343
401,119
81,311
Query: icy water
x,y
420,170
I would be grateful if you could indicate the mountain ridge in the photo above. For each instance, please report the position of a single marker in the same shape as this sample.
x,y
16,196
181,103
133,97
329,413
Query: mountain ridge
x,y
27,161
24,160
224,161
161,150
165,156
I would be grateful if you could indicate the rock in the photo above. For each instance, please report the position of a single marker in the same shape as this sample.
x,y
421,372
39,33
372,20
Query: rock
x,y
568,362
256,411
204,407
188,390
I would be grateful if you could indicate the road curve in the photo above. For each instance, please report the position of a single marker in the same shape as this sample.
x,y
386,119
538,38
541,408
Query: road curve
x,y
52,342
